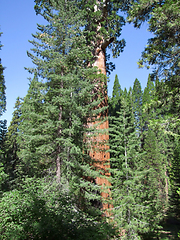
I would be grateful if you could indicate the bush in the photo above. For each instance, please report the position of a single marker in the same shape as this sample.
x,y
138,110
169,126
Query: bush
x,y
38,210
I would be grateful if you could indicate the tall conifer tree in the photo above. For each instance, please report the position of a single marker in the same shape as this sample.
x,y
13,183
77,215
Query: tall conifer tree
x,y
114,102
137,105
3,132
149,91
59,103
156,182
103,29
11,144
130,211
162,51
148,111
175,179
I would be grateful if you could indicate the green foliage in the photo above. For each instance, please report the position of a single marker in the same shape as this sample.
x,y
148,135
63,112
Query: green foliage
x,y
3,177
46,148
163,49
3,131
40,209
149,91
149,112
53,134
11,145
156,182
114,101
100,15
137,95
175,179
130,211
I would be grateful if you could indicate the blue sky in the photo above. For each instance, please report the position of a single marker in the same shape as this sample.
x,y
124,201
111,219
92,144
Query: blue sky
x,y
18,21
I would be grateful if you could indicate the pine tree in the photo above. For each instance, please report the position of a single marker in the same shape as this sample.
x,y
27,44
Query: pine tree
x,y
114,102
162,51
137,105
149,91
161,118
155,160
115,106
60,100
175,180
3,132
11,144
148,110
130,211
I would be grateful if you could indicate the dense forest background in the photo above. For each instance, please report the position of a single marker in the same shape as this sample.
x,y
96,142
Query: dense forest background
x,y
47,176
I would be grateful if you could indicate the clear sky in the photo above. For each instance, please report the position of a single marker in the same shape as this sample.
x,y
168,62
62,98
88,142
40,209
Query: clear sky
x,y
18,21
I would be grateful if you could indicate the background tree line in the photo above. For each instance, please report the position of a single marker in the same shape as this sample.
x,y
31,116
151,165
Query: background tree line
x,y
45,164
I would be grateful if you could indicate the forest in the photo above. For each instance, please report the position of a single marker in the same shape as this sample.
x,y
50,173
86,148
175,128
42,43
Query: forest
x,y
77,164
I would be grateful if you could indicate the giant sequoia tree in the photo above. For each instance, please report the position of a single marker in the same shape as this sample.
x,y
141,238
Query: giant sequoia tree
x,y
61,155
64,96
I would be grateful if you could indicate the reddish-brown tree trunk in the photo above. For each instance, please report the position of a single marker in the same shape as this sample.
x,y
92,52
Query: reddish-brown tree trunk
x,y
100,155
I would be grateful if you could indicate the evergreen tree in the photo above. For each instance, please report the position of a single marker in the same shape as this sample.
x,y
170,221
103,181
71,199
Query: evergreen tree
x,y
162,51
11,144
137,105
114,102
156,182
102,24
130,211
3,132
148,111
114,107
59,102
149,91
175,179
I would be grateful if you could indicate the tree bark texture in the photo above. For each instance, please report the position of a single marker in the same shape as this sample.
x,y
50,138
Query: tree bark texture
x,y
99,154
